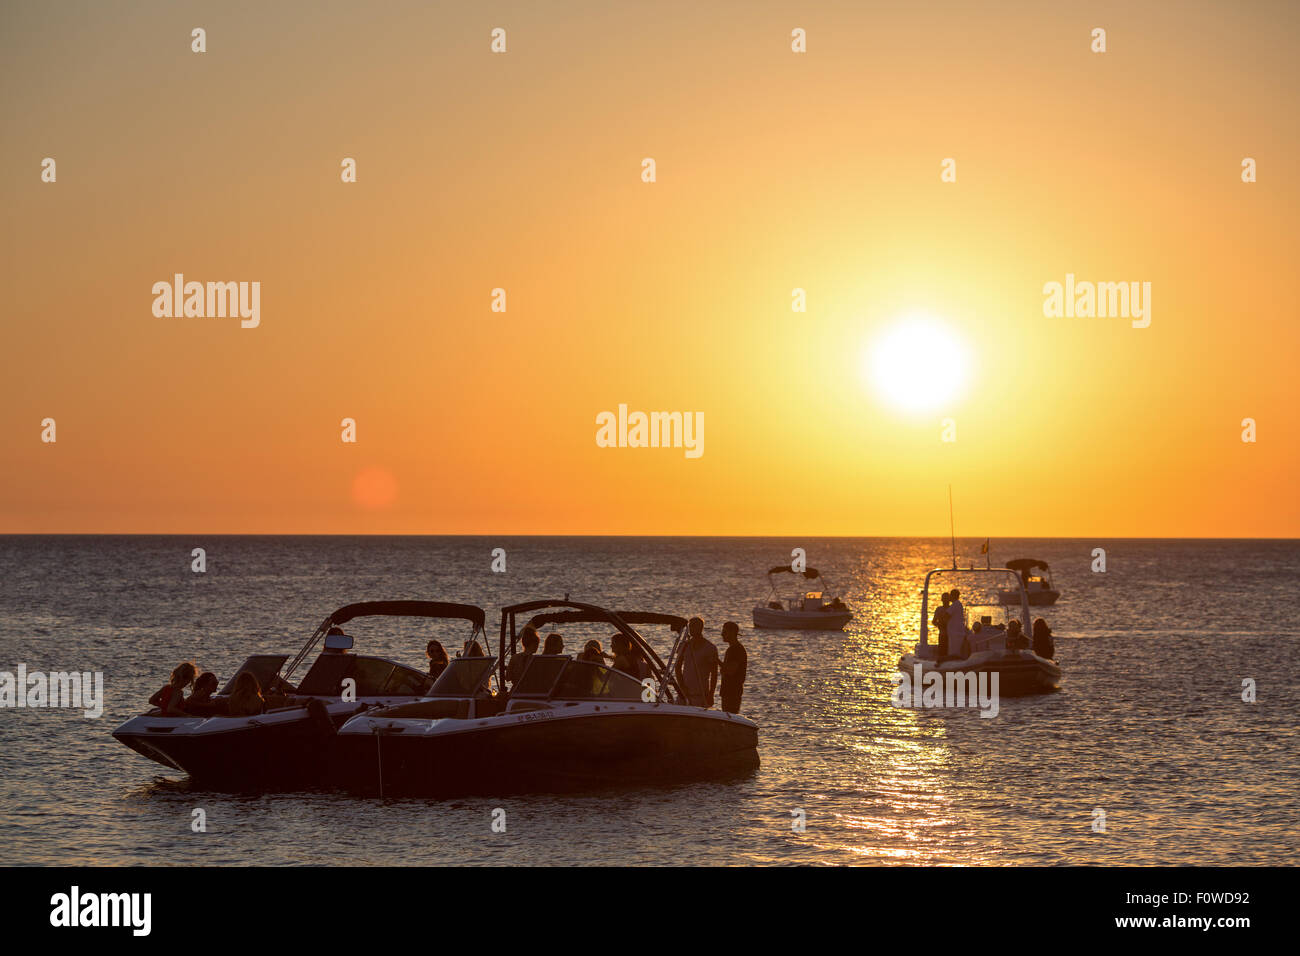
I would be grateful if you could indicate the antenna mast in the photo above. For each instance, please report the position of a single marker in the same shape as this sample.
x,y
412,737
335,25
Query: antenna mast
x,y
952,530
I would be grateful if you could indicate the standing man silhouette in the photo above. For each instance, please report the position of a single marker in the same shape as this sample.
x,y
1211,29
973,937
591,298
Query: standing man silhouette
x,y
734,666
940,622
697,666
956,623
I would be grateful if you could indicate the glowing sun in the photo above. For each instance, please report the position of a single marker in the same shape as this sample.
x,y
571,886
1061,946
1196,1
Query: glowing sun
x,y
917,364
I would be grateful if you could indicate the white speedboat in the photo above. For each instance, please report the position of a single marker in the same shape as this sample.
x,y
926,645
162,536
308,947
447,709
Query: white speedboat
x,y
1036,579
564,723
806,610
1020,671
290,745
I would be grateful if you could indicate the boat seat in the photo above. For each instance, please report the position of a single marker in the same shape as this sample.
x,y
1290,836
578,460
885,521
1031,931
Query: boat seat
x,y
489,706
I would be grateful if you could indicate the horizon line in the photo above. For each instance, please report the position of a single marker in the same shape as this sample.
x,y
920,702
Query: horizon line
x,y
510,534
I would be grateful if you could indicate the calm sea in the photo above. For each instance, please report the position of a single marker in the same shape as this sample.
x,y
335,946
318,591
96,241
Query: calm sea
x,y
1150,725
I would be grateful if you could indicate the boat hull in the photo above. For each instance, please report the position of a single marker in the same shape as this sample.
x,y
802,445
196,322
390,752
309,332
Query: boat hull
x,y
561,749
1036,598
773,619
289,749
1020,673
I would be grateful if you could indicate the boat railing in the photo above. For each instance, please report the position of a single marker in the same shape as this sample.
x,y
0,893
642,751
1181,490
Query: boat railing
x,y
567,611
923,638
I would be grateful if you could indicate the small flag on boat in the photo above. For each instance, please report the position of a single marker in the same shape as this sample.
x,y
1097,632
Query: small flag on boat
x,y
985,549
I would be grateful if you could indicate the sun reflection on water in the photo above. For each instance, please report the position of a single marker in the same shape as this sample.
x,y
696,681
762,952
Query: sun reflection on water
x,y
895,762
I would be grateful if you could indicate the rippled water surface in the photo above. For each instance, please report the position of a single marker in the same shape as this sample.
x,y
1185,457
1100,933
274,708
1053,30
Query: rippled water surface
x,y
1149,726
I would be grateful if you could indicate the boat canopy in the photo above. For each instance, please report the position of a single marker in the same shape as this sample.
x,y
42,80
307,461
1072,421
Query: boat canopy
x,y
809,574
1027,564
465,612
634,618
577,611
432,609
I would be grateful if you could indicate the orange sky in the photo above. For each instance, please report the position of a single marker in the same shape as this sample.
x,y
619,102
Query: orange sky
x,y
522,171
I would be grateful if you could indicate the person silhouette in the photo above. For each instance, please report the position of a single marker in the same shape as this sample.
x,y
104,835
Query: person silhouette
x,y
734,667
438,658
1044,646
956,622
940,622
697,666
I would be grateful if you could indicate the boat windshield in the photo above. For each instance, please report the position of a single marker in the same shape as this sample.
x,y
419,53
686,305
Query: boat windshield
x,y
540,675
374,676
559,677
264,667
583,680
462,677
982,616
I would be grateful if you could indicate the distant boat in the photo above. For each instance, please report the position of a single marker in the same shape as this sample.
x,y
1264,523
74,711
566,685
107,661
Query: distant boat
x,y
1036,577
806,610
1020,671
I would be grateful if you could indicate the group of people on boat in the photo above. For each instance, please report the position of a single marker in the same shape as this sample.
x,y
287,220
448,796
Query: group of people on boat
x,y
246,697
699,670
954,636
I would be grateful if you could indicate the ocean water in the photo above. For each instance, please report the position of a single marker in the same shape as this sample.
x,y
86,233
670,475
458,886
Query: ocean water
x,y
1149,726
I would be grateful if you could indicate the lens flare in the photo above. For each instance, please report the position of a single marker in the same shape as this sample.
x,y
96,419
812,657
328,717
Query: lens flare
x,y
374,488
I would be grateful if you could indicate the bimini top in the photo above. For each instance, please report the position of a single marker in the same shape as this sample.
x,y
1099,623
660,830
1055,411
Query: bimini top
x,y
572,616
577,611
1027,564
433,609
809,574
465,612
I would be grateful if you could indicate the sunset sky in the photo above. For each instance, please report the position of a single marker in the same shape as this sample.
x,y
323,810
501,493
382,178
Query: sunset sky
x,y
775,171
